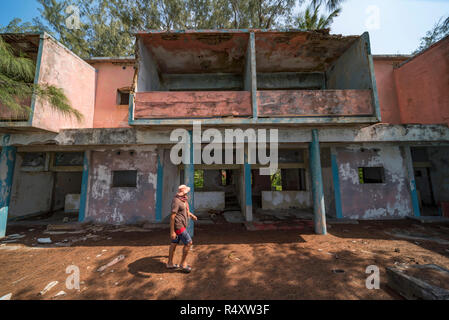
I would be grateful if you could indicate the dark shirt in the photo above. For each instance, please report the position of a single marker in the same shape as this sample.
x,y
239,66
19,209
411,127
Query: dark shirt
x,y
182,214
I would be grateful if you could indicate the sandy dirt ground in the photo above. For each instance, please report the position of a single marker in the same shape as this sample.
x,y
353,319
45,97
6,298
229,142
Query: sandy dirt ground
x,y
229,262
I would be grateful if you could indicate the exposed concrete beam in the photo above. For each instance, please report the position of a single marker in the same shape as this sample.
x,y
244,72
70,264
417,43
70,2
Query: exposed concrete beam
x,y
94,138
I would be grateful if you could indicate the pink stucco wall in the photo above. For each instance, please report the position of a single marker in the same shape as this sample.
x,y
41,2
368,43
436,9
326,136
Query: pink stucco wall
x,y
386,90
63,69
122,205
110,77
423,86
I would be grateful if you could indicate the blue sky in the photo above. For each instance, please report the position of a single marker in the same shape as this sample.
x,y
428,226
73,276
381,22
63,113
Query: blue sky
x,y
395,26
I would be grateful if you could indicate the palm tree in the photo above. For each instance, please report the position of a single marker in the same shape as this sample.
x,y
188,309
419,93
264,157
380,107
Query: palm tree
x,y
312,19
17,85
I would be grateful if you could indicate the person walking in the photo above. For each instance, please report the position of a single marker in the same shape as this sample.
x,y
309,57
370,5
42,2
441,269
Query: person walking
x,y
179,220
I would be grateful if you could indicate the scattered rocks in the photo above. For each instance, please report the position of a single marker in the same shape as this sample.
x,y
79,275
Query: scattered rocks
x,y
63,227
59,294
16,236
48,287
44,240
338,271
397,250
232,257
116,260
405,234
6,297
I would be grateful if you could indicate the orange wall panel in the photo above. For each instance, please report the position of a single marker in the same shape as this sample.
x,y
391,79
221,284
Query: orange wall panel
x,y
110,77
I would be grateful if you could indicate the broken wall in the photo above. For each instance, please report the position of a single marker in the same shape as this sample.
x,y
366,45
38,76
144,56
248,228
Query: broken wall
x,y
390,199
63,69
121,205
31,190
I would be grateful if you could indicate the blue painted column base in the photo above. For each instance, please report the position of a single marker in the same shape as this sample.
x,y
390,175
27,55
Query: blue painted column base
x,y
3,221
84,187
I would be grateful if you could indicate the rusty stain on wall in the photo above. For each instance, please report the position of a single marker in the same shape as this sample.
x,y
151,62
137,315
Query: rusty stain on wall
x,y
287,103
192,104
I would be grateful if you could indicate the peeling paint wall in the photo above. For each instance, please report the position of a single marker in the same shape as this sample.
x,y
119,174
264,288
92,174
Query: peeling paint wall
x,y
122,205
171,183
286,103
192,104
390,199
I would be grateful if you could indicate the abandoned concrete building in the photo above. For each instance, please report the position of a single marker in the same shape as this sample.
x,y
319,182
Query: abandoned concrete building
x,y
361,136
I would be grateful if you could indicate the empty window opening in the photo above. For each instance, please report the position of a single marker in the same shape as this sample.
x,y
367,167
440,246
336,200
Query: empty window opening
x,y
198,179
224,177
68,159
371,175
33,159
293,179
122,97
276,181
124,179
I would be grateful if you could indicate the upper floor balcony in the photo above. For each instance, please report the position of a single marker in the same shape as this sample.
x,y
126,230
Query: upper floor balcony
x,y
59,67
252,77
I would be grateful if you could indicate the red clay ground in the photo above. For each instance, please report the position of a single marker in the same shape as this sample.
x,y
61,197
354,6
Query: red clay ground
x,y
228,262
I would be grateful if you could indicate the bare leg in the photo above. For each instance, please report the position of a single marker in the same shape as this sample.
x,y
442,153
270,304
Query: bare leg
x,y
185,252
171,253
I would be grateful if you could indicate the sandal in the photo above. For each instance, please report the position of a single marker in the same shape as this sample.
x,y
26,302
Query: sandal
x,y
186,269
175,266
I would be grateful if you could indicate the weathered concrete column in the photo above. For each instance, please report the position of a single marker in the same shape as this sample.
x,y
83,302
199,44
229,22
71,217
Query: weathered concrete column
x,y
411,177
189,178
160,185
248,199
319,217
84,187
7,162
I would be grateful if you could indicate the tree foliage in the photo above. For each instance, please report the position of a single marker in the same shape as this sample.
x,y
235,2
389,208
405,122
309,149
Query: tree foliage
x,y
438,32
107,27
312,17
17,84
17,26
